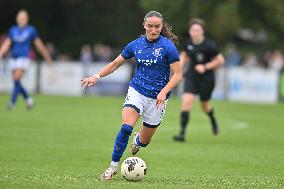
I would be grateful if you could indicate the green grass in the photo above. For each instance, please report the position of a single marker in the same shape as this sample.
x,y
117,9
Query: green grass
x,y
66,142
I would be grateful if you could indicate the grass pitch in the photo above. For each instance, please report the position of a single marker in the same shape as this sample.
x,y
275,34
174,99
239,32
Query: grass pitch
x,y
66,142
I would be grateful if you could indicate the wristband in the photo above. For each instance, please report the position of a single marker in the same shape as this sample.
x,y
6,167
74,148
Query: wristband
x,y
97,76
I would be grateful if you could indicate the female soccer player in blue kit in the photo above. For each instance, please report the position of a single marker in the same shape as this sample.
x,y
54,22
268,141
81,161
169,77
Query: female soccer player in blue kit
x,y
155,55
20,38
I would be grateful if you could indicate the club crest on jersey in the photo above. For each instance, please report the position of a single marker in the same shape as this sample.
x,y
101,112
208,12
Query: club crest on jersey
x,y
199,57
157,52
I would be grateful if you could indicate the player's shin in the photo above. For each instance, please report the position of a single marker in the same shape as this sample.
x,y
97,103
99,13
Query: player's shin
x,y
184,121
23,91
121,142
214,124
15,92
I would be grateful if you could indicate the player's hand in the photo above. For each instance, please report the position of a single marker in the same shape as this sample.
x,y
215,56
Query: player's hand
x,y
52,72
88,81
200,68
49,63
50,68
161,99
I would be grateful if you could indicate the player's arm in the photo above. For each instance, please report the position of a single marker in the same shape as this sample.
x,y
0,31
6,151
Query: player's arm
x,y
216,62
175,79
5,47
111,67
43,50
108,69
183,58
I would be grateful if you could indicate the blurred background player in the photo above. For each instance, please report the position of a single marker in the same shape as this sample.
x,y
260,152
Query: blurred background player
x,y
204,58
20,38
155,55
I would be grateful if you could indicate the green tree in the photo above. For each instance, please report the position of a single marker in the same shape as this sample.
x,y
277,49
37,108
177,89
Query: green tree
x,y
224,18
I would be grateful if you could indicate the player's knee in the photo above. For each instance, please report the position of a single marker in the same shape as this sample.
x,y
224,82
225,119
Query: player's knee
x,y
16,77
17,74
129,118
187,105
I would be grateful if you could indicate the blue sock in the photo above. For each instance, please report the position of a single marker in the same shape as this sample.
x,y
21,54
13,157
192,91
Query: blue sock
x,y
15,92
23,91
121,141
139,143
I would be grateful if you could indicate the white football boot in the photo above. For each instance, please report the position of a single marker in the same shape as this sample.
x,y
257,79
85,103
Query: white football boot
x,y
134,146
109,173
29,103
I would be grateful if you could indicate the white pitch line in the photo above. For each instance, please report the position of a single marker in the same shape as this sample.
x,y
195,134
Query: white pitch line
x,y
240,125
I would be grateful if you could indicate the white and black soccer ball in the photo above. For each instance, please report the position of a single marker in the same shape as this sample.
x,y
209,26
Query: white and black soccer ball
x,y
133,169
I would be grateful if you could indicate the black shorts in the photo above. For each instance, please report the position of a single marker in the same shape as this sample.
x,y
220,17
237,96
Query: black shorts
x,y
199,86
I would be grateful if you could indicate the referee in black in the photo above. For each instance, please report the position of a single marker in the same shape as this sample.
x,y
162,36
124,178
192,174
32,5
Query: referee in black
x,y
204,58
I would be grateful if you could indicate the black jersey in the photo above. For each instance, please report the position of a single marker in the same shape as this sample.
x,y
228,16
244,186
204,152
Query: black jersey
x,y
200,54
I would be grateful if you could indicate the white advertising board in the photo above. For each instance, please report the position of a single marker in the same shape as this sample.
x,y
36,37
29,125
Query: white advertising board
x,y
220,84
61,79
253,85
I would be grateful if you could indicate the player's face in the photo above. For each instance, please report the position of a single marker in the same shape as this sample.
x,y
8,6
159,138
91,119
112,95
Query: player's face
x,y
196,31
153,26
22,19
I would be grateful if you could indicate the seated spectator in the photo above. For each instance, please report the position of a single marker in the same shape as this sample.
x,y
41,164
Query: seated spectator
x,y
102,53
250,60
86,58
276,61
52,50
233,57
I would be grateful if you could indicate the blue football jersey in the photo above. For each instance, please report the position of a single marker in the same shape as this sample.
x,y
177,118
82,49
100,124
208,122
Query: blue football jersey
x,y
153,59
21,40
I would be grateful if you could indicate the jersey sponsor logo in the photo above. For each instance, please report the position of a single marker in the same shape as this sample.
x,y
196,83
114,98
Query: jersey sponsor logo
x,y
147,62
21,37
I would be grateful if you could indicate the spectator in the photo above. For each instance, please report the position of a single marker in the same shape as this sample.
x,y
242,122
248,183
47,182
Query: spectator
x,y
250,60
276,61
86,58
102,53
233,57
52,50
63,57
264,59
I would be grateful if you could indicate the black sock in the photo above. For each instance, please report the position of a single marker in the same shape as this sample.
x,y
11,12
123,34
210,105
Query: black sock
x,y
211,114
212,117
184,121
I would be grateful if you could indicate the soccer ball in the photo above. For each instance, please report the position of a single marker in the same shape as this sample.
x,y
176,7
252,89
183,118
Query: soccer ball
x,y
133,169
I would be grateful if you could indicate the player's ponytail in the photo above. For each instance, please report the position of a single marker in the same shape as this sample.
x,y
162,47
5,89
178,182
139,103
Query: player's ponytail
x,y
166,30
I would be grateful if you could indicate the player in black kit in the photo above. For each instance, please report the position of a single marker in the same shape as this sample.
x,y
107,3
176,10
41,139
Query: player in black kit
x,y
204,58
